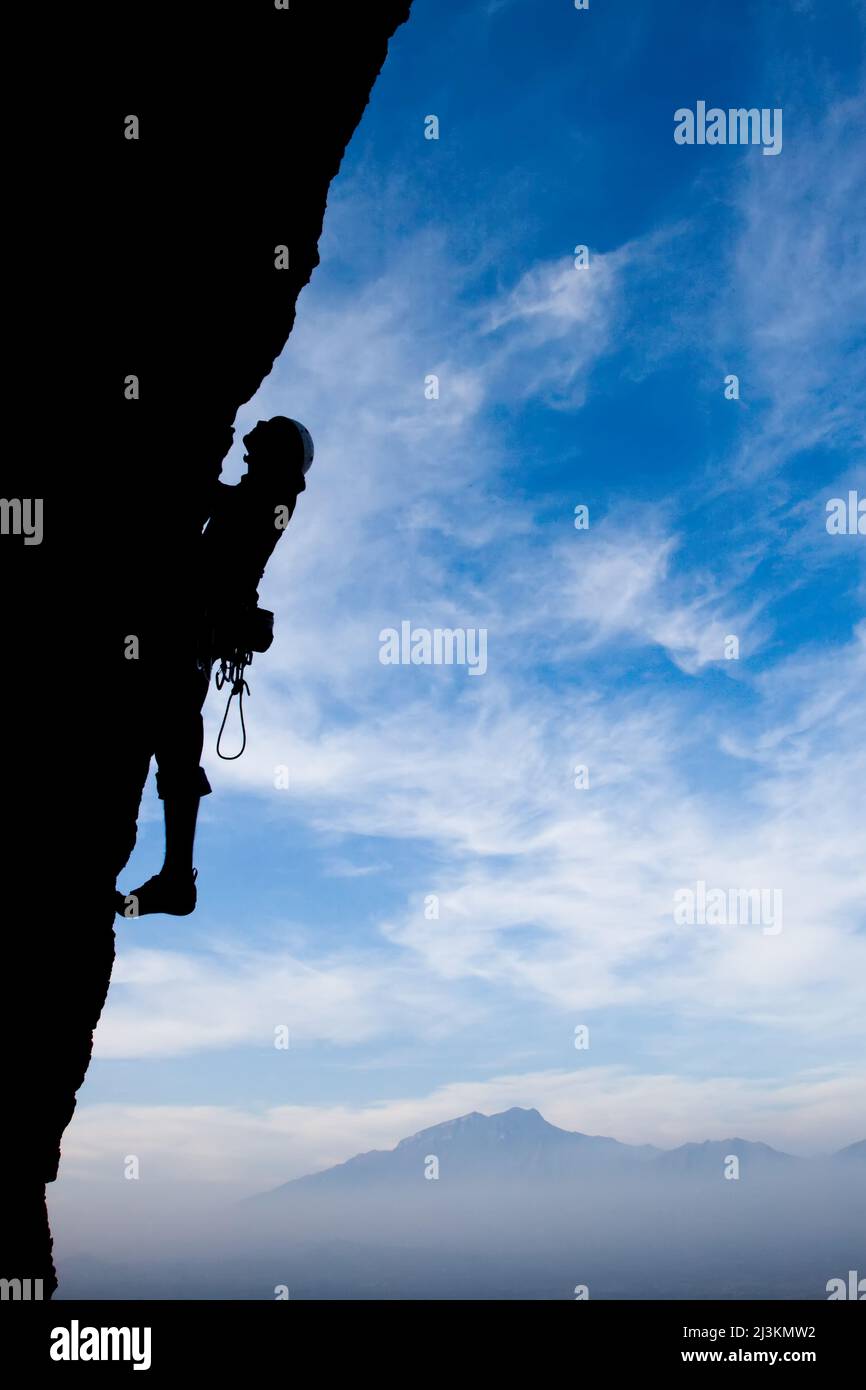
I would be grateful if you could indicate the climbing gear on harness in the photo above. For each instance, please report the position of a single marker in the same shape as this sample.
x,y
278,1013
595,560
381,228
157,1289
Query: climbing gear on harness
x,y
231,669
238,632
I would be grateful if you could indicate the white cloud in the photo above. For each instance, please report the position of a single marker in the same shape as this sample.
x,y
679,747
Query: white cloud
x,y
171,1003
800,291
549,893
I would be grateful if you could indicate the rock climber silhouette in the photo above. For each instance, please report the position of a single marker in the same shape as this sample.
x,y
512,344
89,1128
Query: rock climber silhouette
x,y
220,621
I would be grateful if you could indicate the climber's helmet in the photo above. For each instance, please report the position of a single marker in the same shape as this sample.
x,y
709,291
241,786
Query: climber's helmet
x,y
281,442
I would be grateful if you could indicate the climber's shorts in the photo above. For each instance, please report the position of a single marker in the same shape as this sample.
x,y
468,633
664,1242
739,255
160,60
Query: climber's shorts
x,y
171,781
178,736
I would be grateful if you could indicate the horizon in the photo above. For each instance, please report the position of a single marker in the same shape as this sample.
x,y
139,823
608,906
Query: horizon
x,y
447,1214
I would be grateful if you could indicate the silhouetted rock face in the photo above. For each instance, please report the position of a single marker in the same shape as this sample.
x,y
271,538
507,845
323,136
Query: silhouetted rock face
x,y
244,113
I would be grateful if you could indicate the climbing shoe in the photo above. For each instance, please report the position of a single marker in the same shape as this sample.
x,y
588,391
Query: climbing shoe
x,y
173,894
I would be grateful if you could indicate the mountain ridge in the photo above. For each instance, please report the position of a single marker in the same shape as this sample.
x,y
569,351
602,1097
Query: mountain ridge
x,y
519,1142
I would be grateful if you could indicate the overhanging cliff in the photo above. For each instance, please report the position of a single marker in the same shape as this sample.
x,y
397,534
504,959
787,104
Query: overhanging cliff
x,y
200,144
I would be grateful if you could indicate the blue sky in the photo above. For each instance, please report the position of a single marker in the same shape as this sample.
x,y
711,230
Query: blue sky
x,y
558,386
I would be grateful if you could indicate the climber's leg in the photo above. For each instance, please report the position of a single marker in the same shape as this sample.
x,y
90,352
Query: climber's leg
x,y
181,814
181,782
173,889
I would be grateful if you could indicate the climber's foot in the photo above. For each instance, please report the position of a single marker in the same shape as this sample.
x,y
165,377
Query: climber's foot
x,y
173,894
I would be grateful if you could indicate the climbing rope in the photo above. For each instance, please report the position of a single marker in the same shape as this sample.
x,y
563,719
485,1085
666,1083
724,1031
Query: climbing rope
x,y
231,671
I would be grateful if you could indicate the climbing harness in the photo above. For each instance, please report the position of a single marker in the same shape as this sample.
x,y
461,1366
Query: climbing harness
x,y
254,628
231,670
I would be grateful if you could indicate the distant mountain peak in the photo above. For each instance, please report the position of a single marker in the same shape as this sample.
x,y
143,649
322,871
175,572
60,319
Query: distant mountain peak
x,y
855,1150
515,1144
519,1144
513,1121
